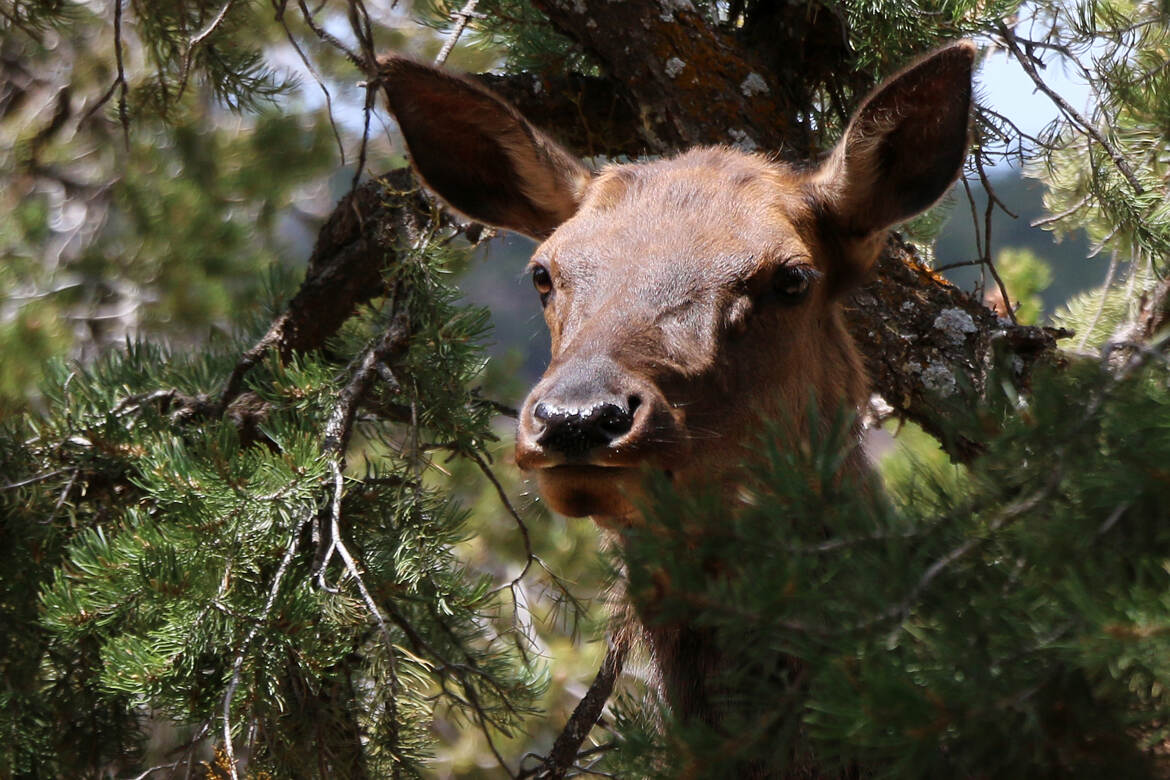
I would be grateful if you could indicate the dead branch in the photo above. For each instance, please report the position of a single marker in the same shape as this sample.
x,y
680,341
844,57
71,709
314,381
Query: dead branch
x,y
238,662
928,344
390,346
461,18
367,233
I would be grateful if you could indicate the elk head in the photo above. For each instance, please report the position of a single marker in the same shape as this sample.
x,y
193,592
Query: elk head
x,y
688,297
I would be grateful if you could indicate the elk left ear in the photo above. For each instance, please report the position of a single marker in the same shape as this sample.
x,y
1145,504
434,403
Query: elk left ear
x,y
478,153
903,148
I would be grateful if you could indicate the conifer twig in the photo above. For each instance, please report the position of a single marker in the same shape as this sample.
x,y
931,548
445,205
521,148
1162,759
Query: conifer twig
x,y
247,361
530,556
33,480
1087,127
123,112
336,544
992,200
339,427
363,148
1080,204
461,18
337,432
359,23
507,502
1105,288
340,424
197,41
238,662
64,495
280,6
329,38
159,768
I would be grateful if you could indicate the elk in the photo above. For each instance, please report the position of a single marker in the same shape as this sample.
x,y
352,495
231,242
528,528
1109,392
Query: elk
x,y
689,297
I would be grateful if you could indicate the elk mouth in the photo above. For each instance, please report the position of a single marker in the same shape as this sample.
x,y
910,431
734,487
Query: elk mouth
x,y
590,490
598,491
599,470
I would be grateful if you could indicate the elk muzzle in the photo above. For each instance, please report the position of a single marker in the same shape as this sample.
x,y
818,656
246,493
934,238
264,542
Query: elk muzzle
x,y
587,430
575,432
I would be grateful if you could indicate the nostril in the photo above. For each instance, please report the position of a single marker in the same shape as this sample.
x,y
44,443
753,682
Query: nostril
x,y
632,403
578,430
615,421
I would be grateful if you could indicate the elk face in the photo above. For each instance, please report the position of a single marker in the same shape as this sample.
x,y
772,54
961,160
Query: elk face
x,y
687,298
684,298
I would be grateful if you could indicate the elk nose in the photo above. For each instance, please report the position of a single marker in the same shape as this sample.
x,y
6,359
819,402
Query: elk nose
x,y
574,431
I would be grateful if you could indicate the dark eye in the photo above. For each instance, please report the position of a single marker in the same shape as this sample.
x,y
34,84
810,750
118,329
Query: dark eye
x,y
792,283
542,281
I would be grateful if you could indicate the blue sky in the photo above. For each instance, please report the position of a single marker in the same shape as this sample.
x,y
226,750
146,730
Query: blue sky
x,y
1009,90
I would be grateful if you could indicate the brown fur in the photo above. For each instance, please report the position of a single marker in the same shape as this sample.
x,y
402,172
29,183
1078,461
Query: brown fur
x,y
679,307
664,274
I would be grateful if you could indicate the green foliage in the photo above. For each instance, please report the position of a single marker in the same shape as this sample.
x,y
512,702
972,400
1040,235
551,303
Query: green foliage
x,y
180,573
174,246
917,458
515,28
885,35
1016,628
168,571
1026,276
181,42
1114,188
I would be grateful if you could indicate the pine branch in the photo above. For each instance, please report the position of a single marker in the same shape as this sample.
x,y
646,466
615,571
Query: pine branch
x,y
238,662
365,234
280,6
690,82
988,259
586,714
329,38
390,346
927,344
461,18
198,40
1073,115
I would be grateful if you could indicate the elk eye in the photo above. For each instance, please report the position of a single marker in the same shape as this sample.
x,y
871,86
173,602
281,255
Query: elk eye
x,y
542,281
792,283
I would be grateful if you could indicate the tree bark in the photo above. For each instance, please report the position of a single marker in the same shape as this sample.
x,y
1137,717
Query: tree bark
x,y
586,113
366,233
690,83
928,346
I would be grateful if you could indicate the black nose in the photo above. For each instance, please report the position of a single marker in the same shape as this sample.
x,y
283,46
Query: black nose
x,y
575,431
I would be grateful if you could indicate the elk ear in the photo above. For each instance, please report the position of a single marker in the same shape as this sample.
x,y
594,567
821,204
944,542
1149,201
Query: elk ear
x,y
903,148
478,153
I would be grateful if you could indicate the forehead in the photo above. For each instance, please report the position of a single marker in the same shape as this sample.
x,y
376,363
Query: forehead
x,y
707,204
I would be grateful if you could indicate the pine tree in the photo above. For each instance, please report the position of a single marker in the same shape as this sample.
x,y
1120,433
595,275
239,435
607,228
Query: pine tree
x,y
252,525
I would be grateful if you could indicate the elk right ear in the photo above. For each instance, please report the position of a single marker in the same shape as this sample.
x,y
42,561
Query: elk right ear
x,y
479,154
